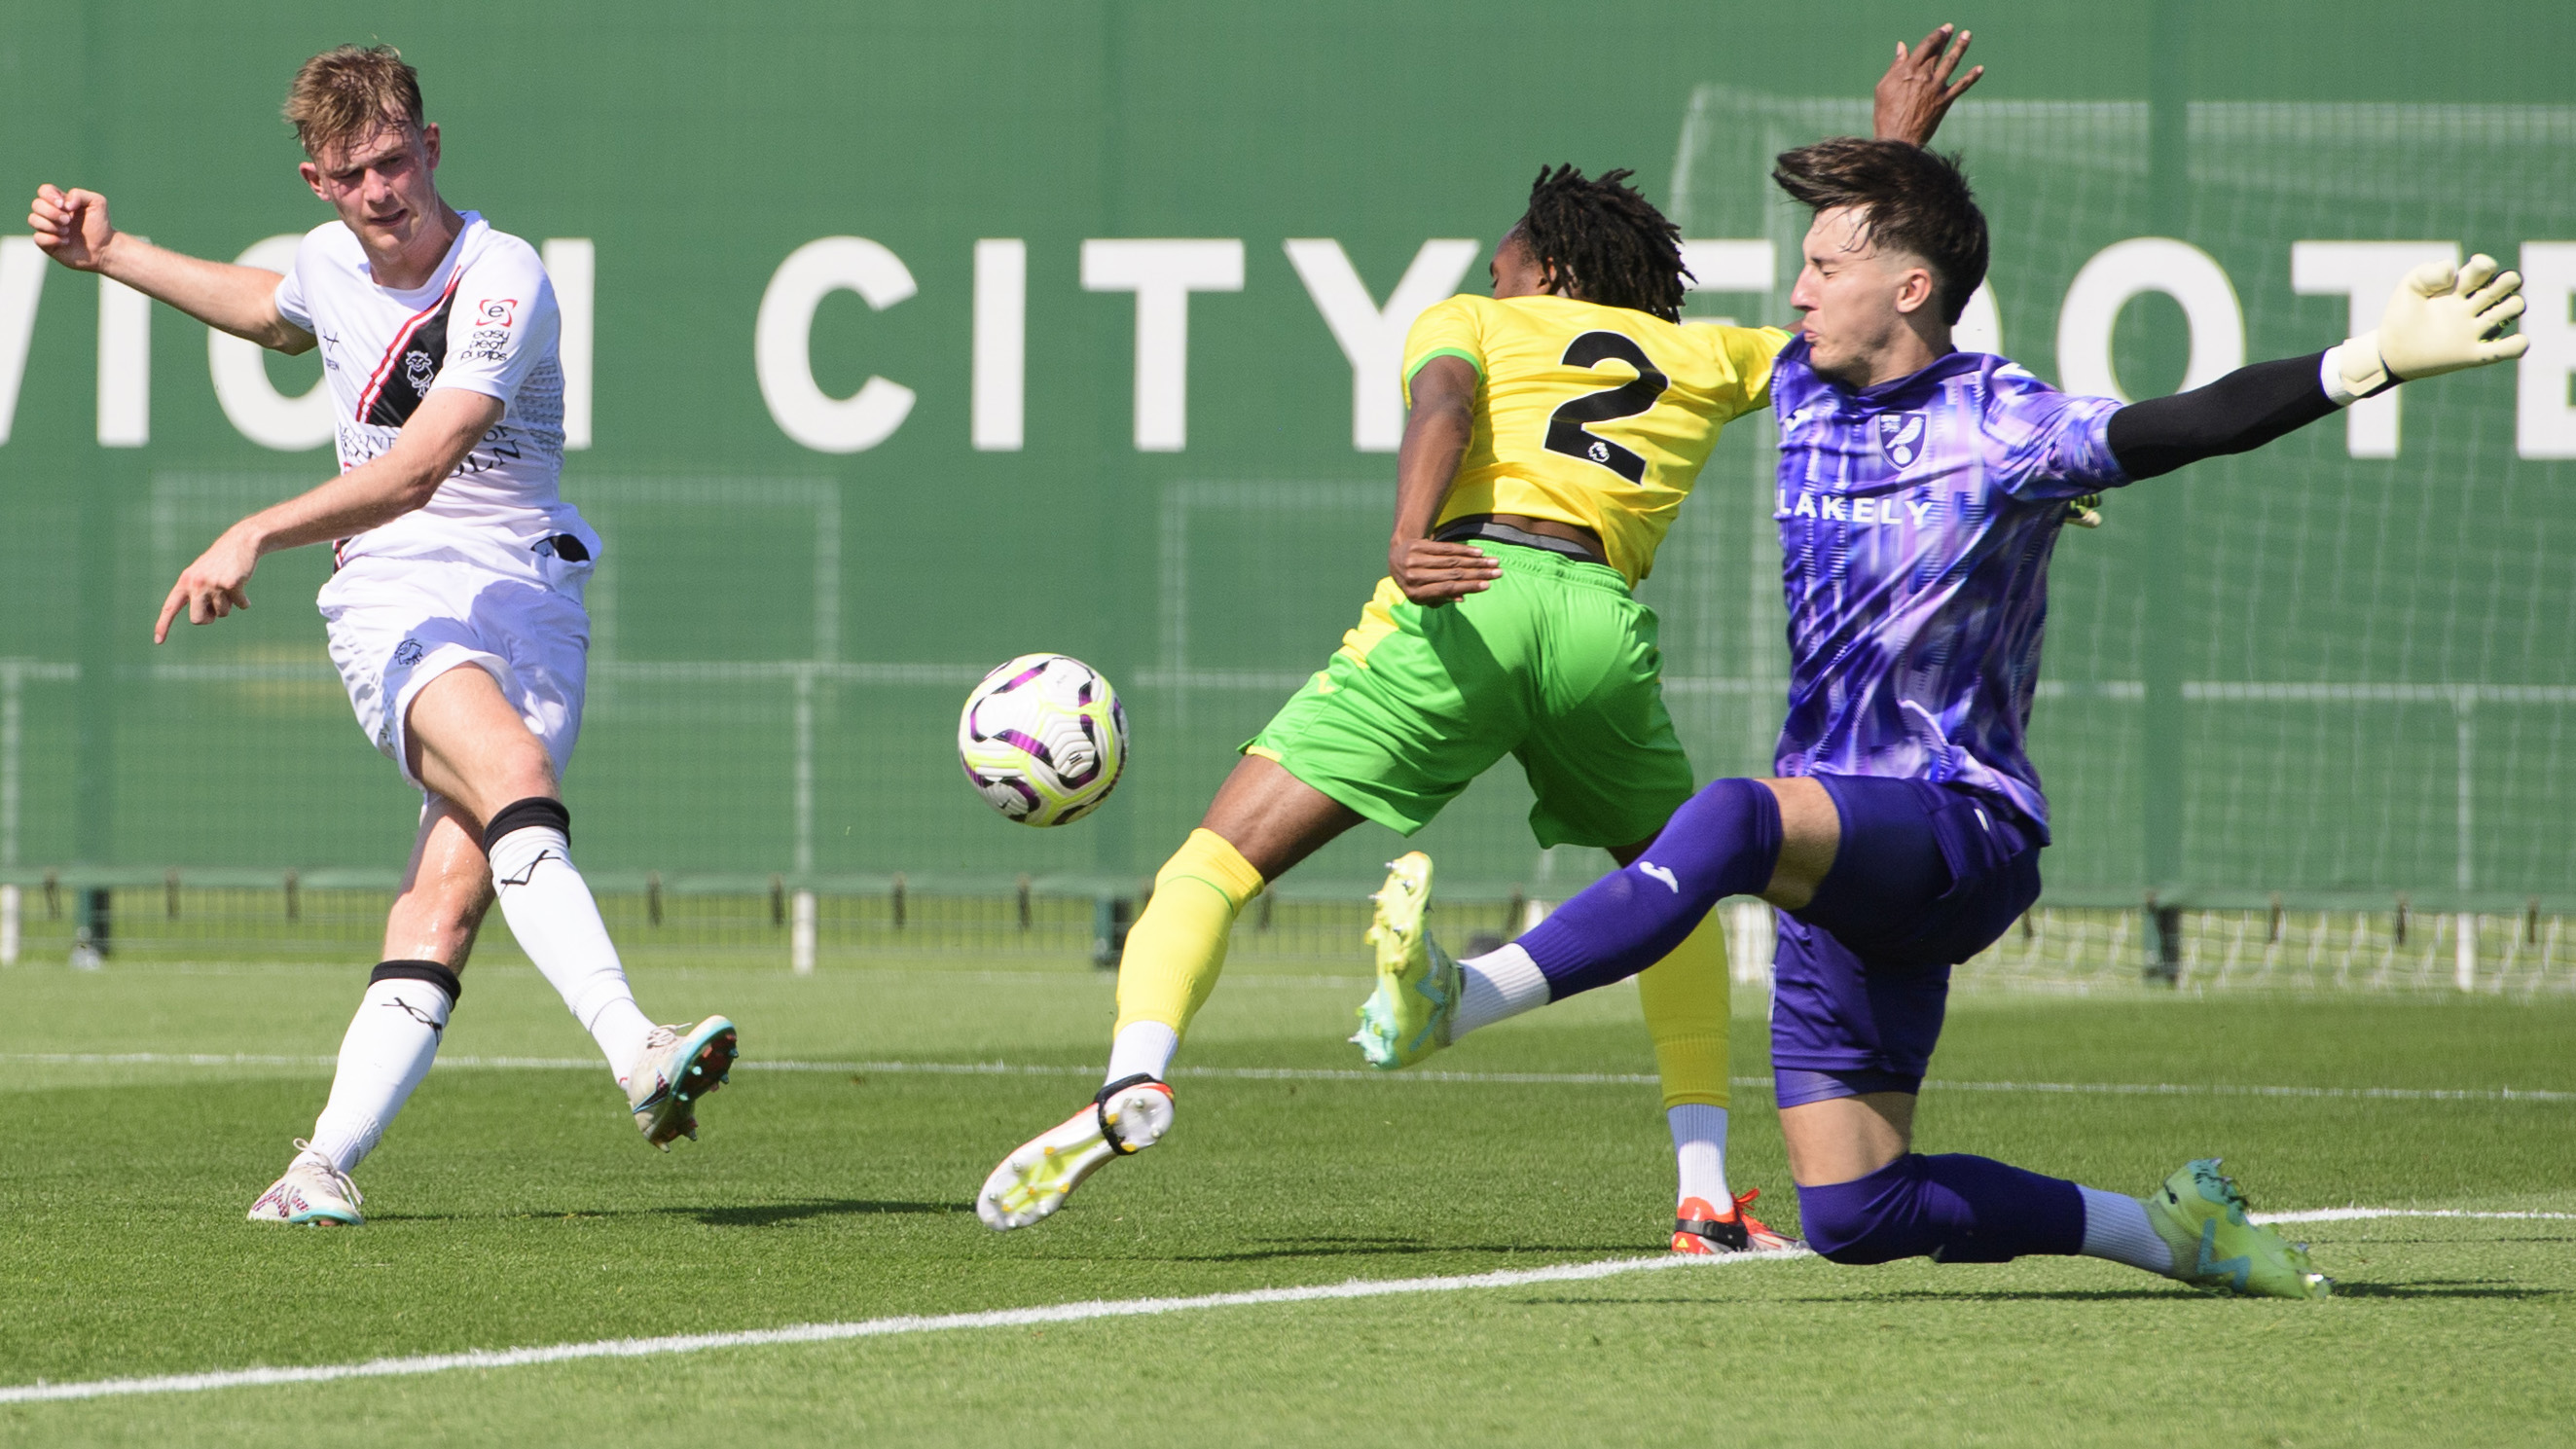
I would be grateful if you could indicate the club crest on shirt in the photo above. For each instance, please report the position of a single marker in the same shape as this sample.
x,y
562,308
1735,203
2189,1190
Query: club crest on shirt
x,y
407,653
1900,436
419,370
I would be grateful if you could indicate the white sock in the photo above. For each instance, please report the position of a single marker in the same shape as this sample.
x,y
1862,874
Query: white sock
x,y
549,908
2116,1227
1497,985
390,1044
1142,1047
1699,1153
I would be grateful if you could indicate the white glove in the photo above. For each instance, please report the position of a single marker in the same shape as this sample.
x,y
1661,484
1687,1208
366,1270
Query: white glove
x,y
2436,322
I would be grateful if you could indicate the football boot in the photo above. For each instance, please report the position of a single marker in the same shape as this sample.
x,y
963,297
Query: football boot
x,y
2201,1217
680,1065
1407,1017
313,1193
1698,1228
1126,1117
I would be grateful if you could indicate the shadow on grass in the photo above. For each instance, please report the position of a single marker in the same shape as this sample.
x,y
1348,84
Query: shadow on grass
x,y
2357,1244
1864,1298
1332,1247
753,1215
767,1215
2447,1288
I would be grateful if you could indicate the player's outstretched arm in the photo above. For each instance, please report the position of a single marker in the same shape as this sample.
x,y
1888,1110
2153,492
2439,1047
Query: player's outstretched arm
x,y
72,227
1917,90
2437,321
404,477
1436,434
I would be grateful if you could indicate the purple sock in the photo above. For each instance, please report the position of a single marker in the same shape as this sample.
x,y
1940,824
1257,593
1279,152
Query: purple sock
x,y
1953,1208
1725,841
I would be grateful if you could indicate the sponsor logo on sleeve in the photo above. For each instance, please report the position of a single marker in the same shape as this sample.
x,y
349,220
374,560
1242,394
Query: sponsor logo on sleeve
x,y
496,312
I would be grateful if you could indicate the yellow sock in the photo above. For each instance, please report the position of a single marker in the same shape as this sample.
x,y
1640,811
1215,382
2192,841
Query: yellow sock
x,y
1177,947
1685,997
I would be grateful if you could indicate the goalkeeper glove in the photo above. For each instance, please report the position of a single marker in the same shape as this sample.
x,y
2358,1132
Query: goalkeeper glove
x,y
2437,321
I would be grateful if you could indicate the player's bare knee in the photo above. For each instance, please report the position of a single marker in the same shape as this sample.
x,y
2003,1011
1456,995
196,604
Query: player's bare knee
x,y
526,770
1810,837
1272,818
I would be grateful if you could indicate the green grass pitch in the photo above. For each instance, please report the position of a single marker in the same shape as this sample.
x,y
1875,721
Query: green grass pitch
x,y
515,1206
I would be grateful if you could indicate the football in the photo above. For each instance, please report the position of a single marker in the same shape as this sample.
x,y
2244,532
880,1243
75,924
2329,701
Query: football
x,y
1043,739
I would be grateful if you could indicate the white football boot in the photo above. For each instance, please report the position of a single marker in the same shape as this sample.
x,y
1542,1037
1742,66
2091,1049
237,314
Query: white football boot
x,y
680,1064
313,1193
1128,1116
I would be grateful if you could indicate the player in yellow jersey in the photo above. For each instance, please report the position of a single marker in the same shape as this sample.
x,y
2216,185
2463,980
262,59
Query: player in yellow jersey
x,y
1556,428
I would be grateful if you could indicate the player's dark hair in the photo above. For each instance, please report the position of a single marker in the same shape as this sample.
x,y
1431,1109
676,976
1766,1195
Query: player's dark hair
x,y
342,95
1607,243
1911,200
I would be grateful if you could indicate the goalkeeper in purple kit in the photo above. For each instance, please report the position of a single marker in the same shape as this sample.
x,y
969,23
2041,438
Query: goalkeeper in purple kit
x,y
1921,492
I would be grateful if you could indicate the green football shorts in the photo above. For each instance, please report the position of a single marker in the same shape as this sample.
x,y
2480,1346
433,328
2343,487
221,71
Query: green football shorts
x,y
1555,664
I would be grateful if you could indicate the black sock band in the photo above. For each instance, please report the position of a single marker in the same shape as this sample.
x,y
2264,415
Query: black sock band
x,y
1100,1108
429,971
520,814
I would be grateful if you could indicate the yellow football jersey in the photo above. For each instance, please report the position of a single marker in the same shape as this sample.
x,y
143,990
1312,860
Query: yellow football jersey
x,y
1591,415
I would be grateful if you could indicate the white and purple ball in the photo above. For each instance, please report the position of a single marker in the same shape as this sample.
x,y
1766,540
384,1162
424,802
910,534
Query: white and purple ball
x,y
1043,739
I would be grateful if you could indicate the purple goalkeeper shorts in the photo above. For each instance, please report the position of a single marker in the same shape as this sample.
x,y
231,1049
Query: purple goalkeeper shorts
x,y
1926,876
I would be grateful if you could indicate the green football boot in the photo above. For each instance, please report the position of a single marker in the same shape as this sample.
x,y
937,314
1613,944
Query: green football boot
x,y
1407,1017
2201,1216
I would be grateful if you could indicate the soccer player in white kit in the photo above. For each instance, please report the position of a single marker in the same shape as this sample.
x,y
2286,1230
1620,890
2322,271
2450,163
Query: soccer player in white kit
x,y
454,611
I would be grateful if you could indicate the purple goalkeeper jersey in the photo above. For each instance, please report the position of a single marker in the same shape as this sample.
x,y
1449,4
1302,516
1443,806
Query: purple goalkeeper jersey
x,y
1916,522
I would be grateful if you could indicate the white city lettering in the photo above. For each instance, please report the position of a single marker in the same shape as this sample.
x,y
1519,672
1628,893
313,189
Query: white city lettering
x,y
800,407
1162,272
22,281
1371,336
2364,273
254,406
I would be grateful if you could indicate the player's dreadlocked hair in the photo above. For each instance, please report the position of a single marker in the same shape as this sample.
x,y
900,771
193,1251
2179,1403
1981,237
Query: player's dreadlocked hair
x,y
1608,244
1911,200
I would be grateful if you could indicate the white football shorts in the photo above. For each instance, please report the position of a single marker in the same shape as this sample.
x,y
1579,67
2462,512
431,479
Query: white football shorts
x,y
395,624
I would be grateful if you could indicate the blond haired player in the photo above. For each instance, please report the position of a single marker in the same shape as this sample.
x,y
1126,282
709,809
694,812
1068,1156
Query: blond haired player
x,y
1555,430
454,612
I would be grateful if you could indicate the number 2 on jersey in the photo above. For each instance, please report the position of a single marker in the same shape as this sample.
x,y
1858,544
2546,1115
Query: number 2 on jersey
x,y
1565,427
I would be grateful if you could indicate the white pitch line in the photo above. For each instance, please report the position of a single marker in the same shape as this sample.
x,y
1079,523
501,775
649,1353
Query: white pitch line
x,y
419,1364
1331,1074
862,1328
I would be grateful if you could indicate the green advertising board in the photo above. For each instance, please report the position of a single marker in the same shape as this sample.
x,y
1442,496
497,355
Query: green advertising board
x,y
920,337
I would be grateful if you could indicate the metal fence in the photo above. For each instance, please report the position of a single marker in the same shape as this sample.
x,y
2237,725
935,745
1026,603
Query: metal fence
x,y
2053,949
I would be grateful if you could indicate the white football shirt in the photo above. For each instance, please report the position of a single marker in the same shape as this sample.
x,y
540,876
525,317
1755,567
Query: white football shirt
x,y
486,321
